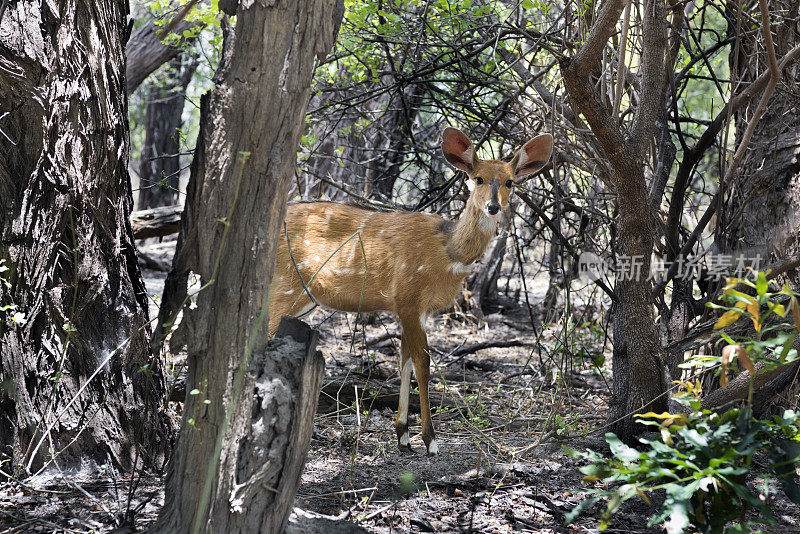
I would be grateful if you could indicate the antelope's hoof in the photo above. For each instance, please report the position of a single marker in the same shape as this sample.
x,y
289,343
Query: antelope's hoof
x,y
433,448
404,442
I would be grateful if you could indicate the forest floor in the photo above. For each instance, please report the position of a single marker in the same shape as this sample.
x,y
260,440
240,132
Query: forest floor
x,y
507,400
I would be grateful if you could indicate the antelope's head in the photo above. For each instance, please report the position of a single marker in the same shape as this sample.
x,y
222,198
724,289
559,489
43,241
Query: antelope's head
x,y
491,181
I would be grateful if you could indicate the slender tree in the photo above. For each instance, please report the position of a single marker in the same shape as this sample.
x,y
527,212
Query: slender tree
x,y
160,166
639,363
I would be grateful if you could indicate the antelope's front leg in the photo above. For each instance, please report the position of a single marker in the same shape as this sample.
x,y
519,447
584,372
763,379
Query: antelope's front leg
x,y
401,423
414,350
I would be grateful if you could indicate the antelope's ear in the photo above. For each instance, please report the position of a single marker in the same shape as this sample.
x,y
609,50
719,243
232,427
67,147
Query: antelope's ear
x,y
532,156
458,150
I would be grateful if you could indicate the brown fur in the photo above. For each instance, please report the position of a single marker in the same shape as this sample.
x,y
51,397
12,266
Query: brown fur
x,y
409,264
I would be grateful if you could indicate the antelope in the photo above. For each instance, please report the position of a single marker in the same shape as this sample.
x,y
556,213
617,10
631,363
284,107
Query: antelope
x,y
411,264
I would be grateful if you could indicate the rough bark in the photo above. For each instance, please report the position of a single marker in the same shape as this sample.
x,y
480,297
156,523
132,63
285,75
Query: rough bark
x,y
761,214
222,475
481,283
79,369
305,522
160,166
638,365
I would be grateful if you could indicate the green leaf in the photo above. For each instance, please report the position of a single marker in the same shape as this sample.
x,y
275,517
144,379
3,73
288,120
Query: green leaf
x,y
785,456
570,516
681,492
761,283
620,450
787,346
693,436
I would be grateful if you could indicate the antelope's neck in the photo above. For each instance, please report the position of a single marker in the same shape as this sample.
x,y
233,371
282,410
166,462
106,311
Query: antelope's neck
x,y
470,236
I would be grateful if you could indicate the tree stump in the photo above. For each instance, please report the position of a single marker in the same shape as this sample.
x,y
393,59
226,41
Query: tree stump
x,y
288,376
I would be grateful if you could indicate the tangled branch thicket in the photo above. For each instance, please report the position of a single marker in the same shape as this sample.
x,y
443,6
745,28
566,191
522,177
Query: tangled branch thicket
x,y
402,71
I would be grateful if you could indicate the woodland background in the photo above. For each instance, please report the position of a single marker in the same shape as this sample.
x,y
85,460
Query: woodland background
x,y
677,141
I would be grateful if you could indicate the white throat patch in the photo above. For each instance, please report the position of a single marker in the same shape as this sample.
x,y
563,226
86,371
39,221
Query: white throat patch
x,y
459,268
488,223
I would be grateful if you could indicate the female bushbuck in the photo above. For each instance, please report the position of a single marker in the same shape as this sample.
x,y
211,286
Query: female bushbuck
x,y
411,264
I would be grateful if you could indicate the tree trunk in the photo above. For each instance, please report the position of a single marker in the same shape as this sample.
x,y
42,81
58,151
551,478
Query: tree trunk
x,y
78,377
480,285
762,212
387,161
156,222
232,471
639,367
160,168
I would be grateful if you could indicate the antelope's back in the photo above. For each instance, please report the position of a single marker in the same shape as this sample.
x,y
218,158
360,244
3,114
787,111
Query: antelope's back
x,y
353,259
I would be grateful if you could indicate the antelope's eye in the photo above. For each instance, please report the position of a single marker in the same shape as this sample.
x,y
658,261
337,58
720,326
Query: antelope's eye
x,y
479,180
510,184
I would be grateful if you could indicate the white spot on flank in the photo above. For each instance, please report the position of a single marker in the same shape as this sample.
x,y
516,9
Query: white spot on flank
x,y
380,232
420,268
402,265
418,244
433,448
288,292
307,243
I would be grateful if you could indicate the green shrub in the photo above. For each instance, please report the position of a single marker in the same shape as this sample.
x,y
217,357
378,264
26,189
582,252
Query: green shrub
x,y
701,459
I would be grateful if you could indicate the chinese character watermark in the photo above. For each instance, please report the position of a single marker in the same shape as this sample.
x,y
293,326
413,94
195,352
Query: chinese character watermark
x,y
592,267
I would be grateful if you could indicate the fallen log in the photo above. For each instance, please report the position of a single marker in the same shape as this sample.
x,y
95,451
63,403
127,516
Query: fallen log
x,y
156,222
372,395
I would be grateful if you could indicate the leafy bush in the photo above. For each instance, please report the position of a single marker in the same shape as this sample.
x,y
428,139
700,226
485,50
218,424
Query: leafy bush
x,y
701,459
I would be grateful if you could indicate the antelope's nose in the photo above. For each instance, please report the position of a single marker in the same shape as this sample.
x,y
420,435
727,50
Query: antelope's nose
x,y
493,208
